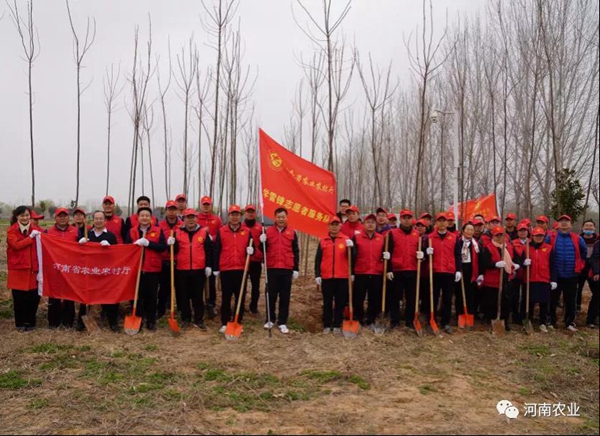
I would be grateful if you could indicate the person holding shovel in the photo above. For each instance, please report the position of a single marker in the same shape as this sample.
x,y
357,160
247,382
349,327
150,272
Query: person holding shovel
x,y
169,227
255,269
232,244
469,253
518,283
212,221
331,275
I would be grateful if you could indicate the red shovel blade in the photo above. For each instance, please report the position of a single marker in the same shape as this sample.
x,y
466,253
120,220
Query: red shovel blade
x,y
174,326
418,327
462,321
350,328
132,324
433,325
233,331
470,320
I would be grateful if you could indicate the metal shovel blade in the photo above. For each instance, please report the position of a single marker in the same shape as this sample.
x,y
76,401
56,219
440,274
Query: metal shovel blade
x,y
528,326
379,328
498,327
350,328
90,323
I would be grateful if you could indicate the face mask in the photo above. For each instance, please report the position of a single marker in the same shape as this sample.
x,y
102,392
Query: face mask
x,y
588,232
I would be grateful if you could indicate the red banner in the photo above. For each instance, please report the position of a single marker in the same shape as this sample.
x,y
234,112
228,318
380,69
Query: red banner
x,y
485,206
90,273
304,189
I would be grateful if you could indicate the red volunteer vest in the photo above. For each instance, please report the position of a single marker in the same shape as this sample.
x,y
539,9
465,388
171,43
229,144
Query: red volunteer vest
x,y
191,254
491,276
115,225
70,233
350,229
404,257
255,231
134,220
520,250
443,252
539,271
166,229
233,248
152,259
279,251
212,222
334,263
368,253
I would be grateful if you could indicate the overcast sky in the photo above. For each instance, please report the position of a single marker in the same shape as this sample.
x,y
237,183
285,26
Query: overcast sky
x,y
273,44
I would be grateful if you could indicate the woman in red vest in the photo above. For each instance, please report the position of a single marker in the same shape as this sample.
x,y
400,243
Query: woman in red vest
x,y
21,256
152,238
331,273
469,253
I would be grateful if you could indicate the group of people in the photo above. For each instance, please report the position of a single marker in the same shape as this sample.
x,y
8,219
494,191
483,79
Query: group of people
x,y
414,260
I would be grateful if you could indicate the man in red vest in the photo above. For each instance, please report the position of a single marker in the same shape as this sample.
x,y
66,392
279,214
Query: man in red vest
x,y
132,220
232,244
181,201
257,258
392,220
79,218
61,312
331,274
447,267
194,249
283,264
169,226
206,218
114,224
510,221
352,226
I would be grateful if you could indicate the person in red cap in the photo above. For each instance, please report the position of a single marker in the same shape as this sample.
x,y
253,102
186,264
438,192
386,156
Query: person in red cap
x,y
331,274
132,221
283,264
542,276
427,218
492,223
452,223
194,249
382,221
492,262
517,284
392,220
169,227
469,253
352,226
181,201
588,233
368,270
256,260
404,252
478,225
36,217
571,252
61,312
446,263
206,218
510,224
344,204
114,224
78,218
232,244
22,262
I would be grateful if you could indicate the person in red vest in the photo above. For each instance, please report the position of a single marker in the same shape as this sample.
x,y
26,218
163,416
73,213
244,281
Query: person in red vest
x,y
169,226
132,221
368,271
421,228
392,220
452,223
491,264
352,226
427,218
78,218
478,225
283,264
36,217
61,312
22,262
518,282
114,224
257,258
403,248
194,249
486,236
542,276
206,218
331,274
469,254
150,236
232,244
181,201
446,265
510,221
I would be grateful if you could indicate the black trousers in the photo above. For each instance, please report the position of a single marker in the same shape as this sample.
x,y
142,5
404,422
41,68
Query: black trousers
x,y
593,308
280,287
212,291
147,296
370,285
164,291
538,289
470,290
583,277
25,305
424,295
110,311
60,312
567,287
443,283
231,281
517,296
489,303
335,297
404,284
254,271
190,294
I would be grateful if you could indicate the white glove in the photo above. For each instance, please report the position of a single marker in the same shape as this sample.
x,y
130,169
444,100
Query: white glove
x,y
429,251
357,232
553,285
349,243
171,240
386,255
143,242
500,264
420,255
207,271
34,233
390,276
479,280
216,273
352,278
83,241
318,281
517,266
527,262
262,238
457,276
295,275
104,243
250,251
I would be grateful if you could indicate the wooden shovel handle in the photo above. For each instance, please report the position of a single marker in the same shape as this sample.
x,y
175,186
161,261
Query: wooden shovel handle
x,y
172,261
239,303
385,265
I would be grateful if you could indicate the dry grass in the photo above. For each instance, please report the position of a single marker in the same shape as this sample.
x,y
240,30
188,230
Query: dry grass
x,y
306,382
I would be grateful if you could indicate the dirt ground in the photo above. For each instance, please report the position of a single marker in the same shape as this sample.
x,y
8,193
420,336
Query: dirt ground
x,y
305,382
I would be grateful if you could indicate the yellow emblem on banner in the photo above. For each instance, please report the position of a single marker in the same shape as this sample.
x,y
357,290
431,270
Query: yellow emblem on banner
x,y
275,162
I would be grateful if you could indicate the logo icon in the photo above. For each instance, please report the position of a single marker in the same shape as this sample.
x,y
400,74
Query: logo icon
x,y
200,239
505,407
275,162
341,246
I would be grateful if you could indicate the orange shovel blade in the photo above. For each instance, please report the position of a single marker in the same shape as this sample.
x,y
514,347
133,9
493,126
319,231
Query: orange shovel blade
x,y
233,331
350,328
173,325
433,325
462,321
418,328
470,320
132,324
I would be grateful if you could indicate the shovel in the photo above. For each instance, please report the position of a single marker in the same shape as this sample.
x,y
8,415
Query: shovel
x,y
133,323
350,327
379,327
527,322
466,319
234,329
416,322
432,324
172,321
498,327
88,319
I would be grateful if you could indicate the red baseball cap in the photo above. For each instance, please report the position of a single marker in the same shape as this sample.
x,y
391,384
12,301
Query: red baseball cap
x,y
381,209
36,216
450,216
108,199
426,215
441,216
250,207
392,216
522,226
421,222
498,230
171,203
181,197
60,210
371,216
233,208
538,231
406,212
526,221
543,219
206,200
494,218
477,221
555,225
189,212
511,216
78,209
564,217
353,208
335,219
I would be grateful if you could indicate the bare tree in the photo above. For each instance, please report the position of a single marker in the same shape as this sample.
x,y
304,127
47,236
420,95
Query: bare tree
x,y
162,92
111,92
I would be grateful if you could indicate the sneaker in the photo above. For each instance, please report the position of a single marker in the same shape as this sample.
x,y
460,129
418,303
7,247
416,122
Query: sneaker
x,y
550,327
200,325
337,331
268,325
592,326
326,330
283,329
543,328
222,329
572,328
29,328
448,329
